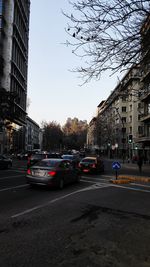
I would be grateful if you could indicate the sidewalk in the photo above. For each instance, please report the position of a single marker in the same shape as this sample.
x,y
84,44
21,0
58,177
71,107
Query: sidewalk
x,y
129,172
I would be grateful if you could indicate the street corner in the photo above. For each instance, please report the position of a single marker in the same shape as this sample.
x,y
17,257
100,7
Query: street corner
x,y
119,181
134,178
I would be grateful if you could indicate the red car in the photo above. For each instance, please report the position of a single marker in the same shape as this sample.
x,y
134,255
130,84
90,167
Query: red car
x,y
91,164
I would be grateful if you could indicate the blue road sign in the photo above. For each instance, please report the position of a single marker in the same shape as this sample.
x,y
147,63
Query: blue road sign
x,y
116,165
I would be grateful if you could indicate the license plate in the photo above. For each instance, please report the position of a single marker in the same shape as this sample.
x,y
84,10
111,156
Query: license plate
x,y
39,173
85,170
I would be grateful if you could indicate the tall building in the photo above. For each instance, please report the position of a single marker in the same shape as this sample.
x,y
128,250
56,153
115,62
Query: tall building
x,y
14,36
144,137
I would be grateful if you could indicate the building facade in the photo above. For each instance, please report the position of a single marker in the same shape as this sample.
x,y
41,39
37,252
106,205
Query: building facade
x,y
33,135
124,118
144,137
14,35
118,123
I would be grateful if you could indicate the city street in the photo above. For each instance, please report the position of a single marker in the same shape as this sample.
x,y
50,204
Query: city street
x,y
93,223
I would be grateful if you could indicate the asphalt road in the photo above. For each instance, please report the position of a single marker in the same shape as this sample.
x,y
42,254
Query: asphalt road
x,y
93,223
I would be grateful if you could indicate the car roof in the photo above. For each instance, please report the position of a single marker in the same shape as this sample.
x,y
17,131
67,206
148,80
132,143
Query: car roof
x,y
53,159
67,155
90,158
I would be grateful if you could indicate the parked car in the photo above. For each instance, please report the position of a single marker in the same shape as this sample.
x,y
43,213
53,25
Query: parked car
x,y
34,158
52,172
5,162
91,164
74,159
22,155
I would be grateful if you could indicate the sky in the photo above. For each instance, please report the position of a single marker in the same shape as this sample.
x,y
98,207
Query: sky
x,y
54,91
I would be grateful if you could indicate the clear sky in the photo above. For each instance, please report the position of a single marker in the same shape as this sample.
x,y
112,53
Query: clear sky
x,y
54,92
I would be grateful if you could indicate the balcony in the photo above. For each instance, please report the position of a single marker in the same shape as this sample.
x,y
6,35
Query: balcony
x,y
145,96
145,117
143,139
129,79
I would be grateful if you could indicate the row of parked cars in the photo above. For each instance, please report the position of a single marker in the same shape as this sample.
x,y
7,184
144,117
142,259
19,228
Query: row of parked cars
x,y
54,169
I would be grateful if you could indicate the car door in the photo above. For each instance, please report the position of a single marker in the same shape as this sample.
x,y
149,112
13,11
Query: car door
x,y
69,173
72,172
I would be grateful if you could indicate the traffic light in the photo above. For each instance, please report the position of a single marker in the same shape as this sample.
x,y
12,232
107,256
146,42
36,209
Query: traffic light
x,y
130,139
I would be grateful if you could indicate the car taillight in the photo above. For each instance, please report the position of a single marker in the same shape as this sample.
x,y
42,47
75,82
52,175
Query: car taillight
x,y
51,173
79,165
28,171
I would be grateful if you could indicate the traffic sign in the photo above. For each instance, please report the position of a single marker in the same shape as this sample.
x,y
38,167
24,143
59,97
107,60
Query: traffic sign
x,y
116,165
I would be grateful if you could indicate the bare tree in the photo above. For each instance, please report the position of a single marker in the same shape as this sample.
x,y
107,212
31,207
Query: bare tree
x,y
106,34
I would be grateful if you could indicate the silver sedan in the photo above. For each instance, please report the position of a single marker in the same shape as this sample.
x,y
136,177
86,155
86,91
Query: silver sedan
x,y
52,172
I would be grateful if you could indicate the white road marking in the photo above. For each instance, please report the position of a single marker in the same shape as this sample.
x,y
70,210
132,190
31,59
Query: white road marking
x,y
92,187
14,187
131,188
9,177
142,185
99,178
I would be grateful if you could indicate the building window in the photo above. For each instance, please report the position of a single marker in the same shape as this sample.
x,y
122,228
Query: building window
x,y
130,119
124,98
123,130
130,107
1,6
130,130
139,117
140,130
148,108
123,119
124,109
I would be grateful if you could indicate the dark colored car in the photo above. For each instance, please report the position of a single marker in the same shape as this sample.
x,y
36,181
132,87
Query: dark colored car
x,y
52,172
91,164
5,162
39,156
74,159
22,156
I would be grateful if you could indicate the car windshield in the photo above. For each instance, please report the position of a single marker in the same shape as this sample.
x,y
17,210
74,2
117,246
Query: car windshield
x,y
37,157
68,157
48,163
89,160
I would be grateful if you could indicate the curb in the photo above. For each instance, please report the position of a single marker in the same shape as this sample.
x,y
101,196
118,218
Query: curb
x,y
134,178
120,181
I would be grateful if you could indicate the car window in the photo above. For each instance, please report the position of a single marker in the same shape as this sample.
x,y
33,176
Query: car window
x,y
48,163
65,165
37,157
70,157
89,160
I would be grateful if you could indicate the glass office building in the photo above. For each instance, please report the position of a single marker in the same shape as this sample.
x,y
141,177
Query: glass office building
x,y
14,36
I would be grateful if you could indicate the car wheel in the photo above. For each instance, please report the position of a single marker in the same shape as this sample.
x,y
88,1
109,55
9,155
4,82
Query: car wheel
x,y
61,183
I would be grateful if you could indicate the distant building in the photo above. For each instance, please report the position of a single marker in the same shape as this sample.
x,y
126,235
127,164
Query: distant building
x,y
14,35
32,135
